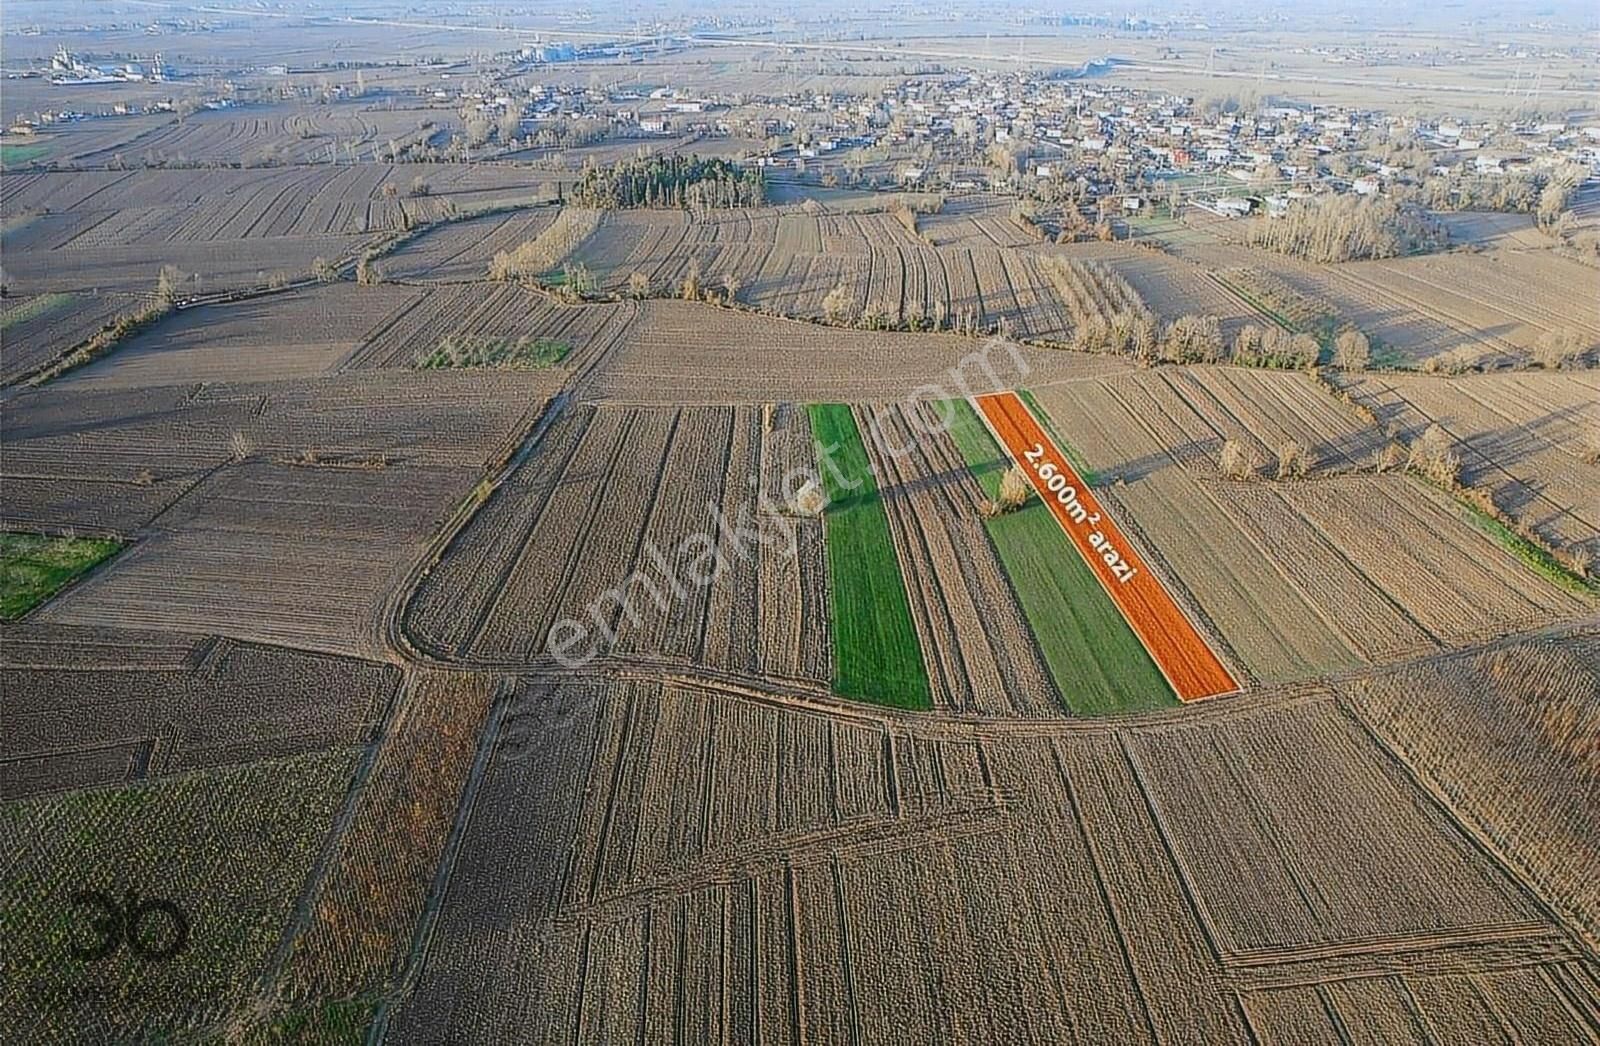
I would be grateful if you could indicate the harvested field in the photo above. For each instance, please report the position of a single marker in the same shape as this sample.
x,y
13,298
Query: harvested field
x,y
296,334
493,311
273,135
1501,302
1505,738
155,207
682,551
877,655
36,330
461,250
1178,649
101,706
220,265
787,261
1418,546
230,848
303,555
682,352
707,880
1523,437
1265,815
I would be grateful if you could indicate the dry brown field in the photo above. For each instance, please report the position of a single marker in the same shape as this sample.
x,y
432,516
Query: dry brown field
x,y
295,334
681,352
609,492
34,331
312,698
1305,577
1523,436
166,703
786,260
710,886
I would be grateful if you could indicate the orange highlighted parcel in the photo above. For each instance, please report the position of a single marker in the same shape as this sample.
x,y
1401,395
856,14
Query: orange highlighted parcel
x,y
1179,651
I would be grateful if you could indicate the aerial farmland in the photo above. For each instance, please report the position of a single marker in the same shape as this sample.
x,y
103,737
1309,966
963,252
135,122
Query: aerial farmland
x,y
879,524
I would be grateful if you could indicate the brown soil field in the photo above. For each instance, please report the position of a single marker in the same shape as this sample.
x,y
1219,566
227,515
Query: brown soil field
x,y
683,352
268,135
134,268
37,330
533,556
168,703
460,251
303,555
496,311
1297,578
1506,738
786,260
1523,436
112,208
295,334
707,885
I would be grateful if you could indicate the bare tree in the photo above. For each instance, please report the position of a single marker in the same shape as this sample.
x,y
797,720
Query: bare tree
x,y
639,285
1234,461
1434,455
1293,461
1352,351
1558,348
838,304
323,270
1391,456
167,283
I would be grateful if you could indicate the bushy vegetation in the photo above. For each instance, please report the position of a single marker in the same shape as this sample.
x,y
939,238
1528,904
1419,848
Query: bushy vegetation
x,y
1348,228
877,656
467,352
530,260
670,181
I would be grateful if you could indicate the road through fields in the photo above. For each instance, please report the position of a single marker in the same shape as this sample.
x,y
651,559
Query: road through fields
x,y
1178,649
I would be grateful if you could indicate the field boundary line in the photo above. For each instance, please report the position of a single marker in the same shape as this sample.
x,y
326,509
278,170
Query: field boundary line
x,y
405,977
333,844
1471,832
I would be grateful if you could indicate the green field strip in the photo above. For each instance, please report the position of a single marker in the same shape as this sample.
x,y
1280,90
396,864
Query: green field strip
x,y
876,654
1097,662
34,567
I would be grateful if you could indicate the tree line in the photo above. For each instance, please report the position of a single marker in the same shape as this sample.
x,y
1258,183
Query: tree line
x,y
670,181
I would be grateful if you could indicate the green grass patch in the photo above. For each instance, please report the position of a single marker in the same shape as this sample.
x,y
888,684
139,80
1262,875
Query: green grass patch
x,y
494,353
876,654
1098,664
1536,558
342,1022
14,154
33,308
34,567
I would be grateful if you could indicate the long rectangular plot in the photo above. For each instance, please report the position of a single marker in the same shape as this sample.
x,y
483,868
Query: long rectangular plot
x,y
1189,664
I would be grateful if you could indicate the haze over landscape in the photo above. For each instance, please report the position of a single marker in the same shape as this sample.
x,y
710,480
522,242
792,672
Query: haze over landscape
x,y
856,524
